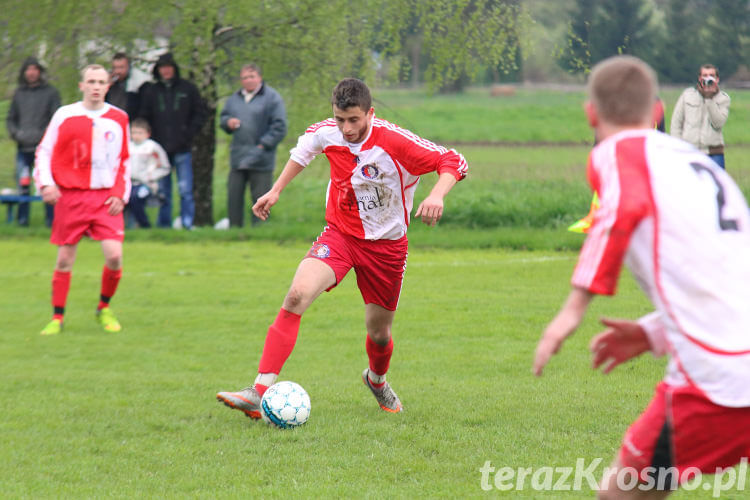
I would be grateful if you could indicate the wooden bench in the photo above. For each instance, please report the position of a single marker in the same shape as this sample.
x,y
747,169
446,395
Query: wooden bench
x,y
10,200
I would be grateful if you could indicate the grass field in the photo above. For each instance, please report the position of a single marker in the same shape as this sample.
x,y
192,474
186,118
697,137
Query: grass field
x,y
88,414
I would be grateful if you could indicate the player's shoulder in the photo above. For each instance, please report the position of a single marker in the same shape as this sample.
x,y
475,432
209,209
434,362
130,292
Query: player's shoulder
x,y
115,113
390,132
325,126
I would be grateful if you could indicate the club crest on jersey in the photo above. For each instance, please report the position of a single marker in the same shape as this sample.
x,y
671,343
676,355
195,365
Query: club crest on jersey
x,y
320,250
109,136
370,171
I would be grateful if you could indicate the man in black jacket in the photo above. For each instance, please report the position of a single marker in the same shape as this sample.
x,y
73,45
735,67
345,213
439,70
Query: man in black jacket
x,y
175,110
34,102
124,89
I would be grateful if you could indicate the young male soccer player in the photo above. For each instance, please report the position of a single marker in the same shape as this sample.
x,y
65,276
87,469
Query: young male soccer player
x,y
82,168
683,227
375,167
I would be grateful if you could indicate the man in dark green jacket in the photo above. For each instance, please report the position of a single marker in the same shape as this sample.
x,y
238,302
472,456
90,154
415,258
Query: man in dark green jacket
x,y
34,102
256,117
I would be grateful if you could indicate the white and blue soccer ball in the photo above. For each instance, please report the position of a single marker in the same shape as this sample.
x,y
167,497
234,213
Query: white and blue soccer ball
x,y
285,405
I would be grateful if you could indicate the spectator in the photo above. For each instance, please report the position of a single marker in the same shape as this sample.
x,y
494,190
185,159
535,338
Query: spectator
x,y
34,102
82,168
174,109
256,118
126,82
700,114
148,164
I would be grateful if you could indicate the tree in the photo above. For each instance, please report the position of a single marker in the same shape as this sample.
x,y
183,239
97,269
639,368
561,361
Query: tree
x,y
683,46
727,35
303,46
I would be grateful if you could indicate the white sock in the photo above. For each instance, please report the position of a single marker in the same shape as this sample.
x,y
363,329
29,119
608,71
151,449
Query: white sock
x,y
375,378
267,379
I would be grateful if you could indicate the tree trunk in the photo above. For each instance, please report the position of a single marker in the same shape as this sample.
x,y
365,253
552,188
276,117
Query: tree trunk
x,y
203,169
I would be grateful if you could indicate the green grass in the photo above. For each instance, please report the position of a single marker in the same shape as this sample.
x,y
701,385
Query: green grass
x,y
89,414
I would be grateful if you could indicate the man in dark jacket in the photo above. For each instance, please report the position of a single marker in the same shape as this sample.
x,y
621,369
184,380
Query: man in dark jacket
x,y
34,102
124,89
175,111
256,117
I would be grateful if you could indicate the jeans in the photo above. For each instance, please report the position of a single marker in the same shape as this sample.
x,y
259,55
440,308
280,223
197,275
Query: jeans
x,y
182,163
139,196
719,159
24,166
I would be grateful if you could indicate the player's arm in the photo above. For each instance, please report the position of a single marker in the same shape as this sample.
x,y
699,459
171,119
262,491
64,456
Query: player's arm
x,y
45,183
431,208
561,327
262,207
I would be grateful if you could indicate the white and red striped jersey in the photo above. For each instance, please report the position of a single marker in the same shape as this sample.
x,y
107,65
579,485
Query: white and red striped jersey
x,y
682,226
85,149
371,191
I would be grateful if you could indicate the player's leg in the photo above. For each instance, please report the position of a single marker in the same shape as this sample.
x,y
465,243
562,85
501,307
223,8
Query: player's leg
x,y
618,475
236,183
379,346
312,278
111,274
66,256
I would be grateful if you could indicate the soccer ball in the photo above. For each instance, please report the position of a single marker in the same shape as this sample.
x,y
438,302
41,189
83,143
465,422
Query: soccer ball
x,y
285,405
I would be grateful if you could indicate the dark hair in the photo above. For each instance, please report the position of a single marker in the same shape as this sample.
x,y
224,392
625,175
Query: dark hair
x,y
251,67
351,92
121,55
709,66
141,123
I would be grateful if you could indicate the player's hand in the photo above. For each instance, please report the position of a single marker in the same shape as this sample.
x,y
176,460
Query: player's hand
x,y
431,209
262,207
50,194
551,341
621,341
116,205
234,123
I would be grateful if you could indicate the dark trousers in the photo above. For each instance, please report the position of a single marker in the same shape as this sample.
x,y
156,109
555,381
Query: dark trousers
x,y
24,167
260,184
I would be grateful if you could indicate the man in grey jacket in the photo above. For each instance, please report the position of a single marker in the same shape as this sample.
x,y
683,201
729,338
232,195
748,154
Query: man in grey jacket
x,y
700,114
256,117
34,102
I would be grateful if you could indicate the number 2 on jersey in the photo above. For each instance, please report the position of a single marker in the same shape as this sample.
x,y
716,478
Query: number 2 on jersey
x,y
724,224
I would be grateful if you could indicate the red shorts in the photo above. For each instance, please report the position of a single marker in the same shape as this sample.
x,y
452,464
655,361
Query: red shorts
x,y
682,429
82,212
379,264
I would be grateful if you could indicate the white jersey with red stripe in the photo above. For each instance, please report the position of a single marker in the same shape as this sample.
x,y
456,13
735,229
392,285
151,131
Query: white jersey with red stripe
x,y
682,226
371,191
85,149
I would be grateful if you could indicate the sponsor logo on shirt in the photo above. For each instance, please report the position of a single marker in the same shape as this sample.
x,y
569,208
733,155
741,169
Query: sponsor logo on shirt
x,y
370,171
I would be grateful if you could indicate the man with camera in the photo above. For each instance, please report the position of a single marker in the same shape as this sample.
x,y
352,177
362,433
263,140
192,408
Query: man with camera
x,y
700,114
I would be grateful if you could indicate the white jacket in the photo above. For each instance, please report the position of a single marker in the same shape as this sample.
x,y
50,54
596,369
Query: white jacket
x,y
699,120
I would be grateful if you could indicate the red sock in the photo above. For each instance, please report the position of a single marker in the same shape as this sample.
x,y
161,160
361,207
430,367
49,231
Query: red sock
x,y
60,287
280,340
380,357
110,280
261,388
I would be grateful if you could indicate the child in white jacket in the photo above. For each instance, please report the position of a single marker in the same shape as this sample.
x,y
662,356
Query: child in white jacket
x,y
148,164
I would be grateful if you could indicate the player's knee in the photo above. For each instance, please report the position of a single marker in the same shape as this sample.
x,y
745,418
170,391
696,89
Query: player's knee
x,y
113,261
380,336
296,299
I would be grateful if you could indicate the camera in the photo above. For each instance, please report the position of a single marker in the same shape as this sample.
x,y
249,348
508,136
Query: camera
x,y
708,81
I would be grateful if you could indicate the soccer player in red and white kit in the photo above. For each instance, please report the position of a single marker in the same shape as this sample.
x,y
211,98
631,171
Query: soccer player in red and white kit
x,y
82,168
682,226
375,167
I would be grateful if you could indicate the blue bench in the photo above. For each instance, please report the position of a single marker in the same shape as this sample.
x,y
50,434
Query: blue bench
x,y
9,200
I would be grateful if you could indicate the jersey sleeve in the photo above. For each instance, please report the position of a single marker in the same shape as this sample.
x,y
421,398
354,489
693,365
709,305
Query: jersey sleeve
x,y
619,173
122,185
309,144
43,160
420,156
655,332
